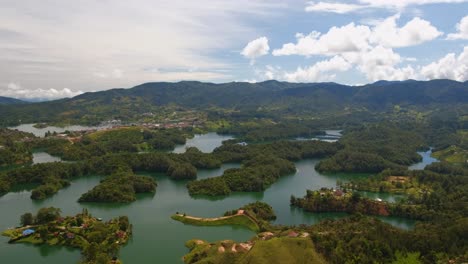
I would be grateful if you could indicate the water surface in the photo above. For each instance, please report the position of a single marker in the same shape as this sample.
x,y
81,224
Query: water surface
x,y
426,160
44,157
205,143
40,132
157,238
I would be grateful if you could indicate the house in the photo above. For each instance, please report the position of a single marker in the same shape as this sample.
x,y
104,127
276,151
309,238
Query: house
x,y
293,234
28,232
240,212
242,144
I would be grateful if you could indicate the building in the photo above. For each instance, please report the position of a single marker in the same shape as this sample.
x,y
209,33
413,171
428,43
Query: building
x,y
28,232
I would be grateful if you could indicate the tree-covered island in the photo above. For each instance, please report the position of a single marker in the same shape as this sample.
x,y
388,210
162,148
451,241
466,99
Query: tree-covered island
x,y
98,241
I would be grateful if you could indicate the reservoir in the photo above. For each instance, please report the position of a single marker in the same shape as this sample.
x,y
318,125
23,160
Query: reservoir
x,y
157,238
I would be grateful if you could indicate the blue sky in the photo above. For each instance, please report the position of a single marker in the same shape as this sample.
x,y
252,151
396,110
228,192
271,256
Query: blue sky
x,y
56,48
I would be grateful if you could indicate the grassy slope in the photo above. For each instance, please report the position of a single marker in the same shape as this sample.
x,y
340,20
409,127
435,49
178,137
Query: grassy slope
x,y
452,154
276,250
283,250
240,220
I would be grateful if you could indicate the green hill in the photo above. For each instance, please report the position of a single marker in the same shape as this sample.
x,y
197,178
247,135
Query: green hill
x,y
265,98
10,101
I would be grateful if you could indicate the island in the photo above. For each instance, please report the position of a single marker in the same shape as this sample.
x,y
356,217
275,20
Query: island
x,y
98,241
254,216
120,187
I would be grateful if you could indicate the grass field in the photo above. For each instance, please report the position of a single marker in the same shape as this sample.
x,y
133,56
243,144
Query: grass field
x,y
283,250
275,250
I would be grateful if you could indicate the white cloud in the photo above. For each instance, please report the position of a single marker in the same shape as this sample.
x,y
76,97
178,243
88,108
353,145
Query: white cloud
x,y
416,31
342,8
13,86
332,7
381,63
462,30
256,48
449,67
268,73
358,38
405,3
320,71
87,39
348,38
115,73
15,90
366,48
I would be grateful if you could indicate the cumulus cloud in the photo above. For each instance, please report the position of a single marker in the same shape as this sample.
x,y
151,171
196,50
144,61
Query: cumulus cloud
x,y
462,30
15,90
256,48
320,71
346,7
381,63
369,49
358,38
416,31
348,38
450,66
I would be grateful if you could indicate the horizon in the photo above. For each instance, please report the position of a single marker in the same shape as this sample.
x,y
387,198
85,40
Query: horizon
x,y
92,45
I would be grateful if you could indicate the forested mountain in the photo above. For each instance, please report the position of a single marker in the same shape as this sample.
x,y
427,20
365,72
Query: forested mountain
x,y
10,101
265,97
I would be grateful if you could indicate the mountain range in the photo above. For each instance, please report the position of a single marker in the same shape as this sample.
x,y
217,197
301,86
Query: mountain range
x,y
10,101
268,96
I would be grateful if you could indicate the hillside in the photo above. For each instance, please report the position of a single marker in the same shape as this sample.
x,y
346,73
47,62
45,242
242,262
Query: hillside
x,y
270,97
10,101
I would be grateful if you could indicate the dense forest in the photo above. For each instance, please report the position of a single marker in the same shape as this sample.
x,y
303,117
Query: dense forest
x,y
122,140
14,149
121,186
374,148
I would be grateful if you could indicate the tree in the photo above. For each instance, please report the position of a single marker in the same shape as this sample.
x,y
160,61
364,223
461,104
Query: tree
x,y
356,197
45,215
124,224
27,219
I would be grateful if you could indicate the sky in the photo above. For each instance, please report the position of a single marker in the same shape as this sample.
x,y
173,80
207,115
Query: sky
x,y
61,48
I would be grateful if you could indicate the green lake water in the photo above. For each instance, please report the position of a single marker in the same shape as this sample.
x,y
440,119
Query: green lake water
x,y
157,238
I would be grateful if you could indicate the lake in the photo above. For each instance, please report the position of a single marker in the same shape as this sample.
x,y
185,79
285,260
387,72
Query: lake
x,y
426,160
157,238
40,132
330,136
205,143
43,157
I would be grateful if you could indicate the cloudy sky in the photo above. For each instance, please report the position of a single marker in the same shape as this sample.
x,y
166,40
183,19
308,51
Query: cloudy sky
x,y
60,48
